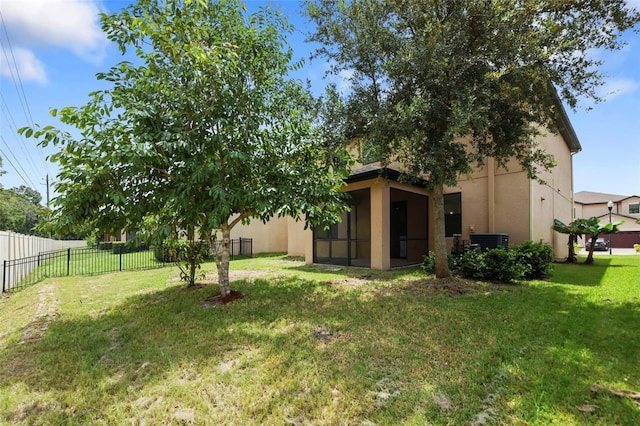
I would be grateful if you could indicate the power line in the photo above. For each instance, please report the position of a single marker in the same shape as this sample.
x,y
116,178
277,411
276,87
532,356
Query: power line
x,y
5,156
23,98
14,129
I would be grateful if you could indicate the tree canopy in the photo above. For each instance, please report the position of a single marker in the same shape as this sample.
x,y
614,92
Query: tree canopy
x,y
19,212
204,131
442,85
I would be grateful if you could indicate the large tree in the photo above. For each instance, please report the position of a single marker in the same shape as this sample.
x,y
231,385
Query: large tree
x,y
29,194
202,132
20,210
442,85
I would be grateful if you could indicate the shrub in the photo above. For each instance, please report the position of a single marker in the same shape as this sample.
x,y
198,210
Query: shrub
x,y
92,241
429,263
471,265
636,247
171,251
161,253
536,257
527,261
502,265
188,255
105,245
132,246
495,264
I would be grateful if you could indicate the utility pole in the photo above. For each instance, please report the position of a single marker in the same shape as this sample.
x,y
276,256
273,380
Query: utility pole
x,y
47,189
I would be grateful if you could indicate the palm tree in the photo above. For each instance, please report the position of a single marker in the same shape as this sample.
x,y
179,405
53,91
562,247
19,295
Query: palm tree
x,y
593,227
574,230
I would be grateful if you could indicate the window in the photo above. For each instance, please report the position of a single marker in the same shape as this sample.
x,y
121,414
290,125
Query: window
x,y
329,234
453,214
634,208
369,152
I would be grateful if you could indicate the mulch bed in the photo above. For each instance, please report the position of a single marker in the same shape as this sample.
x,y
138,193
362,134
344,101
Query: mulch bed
x,y
218,300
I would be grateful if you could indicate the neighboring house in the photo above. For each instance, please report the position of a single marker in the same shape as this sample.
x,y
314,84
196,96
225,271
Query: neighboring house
x,y
122,236
625,208
390,223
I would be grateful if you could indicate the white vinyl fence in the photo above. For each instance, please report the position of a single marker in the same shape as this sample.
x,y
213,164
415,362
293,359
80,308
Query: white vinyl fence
x,y
17,246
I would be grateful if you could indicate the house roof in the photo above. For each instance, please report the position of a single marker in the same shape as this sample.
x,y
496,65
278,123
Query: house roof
x,y
373,171
566,128
587,197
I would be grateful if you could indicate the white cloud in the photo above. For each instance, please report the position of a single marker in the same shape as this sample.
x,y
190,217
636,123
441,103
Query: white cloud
x,y
615,87
633,4
68,24
29,67
345,77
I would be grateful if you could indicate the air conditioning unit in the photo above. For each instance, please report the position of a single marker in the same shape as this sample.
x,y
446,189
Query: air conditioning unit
x,y
489,241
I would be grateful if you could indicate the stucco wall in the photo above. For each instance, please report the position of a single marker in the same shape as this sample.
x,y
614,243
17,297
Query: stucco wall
x,y
553,199
506,201
495,201
622,207
269,238
296,237
512,199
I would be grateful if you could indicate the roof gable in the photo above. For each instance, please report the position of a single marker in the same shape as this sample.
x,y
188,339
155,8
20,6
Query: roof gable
x,y
587,197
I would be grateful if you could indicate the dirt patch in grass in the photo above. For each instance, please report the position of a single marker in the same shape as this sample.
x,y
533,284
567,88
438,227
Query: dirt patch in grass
x,y
217,299
349,282
457,286
454,286
46,313
451,286
245,275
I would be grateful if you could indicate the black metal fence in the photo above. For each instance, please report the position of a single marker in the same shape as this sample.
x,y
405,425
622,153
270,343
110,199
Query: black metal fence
x,y
239,247
20,273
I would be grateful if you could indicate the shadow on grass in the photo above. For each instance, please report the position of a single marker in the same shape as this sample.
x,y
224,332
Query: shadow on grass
x,y
581,273
339,271
536,349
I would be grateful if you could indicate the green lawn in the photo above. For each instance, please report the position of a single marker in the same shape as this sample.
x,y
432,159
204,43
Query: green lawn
x,y
318,345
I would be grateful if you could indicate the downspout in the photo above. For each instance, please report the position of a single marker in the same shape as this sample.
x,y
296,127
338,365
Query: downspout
x,y
491,194
573,209
531,207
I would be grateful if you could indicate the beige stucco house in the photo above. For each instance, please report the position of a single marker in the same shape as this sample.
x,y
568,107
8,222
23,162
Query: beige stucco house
x,y
390,223
625,208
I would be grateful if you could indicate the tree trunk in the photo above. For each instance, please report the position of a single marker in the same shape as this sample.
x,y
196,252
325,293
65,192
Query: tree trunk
x,y
222,261
589,260
191,257
193,262
571,258
439,241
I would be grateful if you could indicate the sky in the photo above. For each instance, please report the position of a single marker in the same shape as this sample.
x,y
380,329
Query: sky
x,y
52,49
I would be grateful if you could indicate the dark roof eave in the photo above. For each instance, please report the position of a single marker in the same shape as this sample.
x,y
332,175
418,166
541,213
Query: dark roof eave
x,y
386,173
566,128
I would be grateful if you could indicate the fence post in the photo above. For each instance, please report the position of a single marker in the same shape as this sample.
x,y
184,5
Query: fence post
x,y
120,254
4,274
68,259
